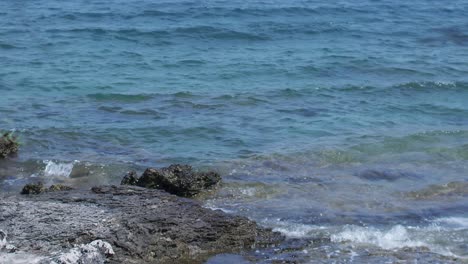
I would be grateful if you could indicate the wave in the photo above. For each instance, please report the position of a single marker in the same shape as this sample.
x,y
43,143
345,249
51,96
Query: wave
x,y
8,46
396,237
205,12
123,98
53,169
219,33
400,237
431,86
198,32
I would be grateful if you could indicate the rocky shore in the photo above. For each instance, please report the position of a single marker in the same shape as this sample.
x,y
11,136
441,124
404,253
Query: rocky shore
x,y
124,224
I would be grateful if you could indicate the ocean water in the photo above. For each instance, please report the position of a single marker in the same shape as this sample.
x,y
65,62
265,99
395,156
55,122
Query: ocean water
x,y
340,123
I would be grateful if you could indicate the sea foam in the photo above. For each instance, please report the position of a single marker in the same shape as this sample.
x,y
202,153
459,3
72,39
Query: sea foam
x,y
58,169
396,237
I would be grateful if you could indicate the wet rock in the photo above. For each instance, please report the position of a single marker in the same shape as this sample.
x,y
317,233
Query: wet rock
x,y
131,178
58,188
8,145
177,179
140,226
33,188
38,188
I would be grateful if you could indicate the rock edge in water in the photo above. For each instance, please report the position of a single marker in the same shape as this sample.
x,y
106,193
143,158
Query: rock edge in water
x,y
38,188
140,226
8,145
177,179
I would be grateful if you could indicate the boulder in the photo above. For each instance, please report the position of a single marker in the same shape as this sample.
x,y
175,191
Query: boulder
x,y
8,145
176,179
38,188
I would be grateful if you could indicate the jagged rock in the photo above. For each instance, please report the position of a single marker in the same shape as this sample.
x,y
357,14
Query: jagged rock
x,y
38,188
141,226
33,188
178,179
131,178
59,187
8,145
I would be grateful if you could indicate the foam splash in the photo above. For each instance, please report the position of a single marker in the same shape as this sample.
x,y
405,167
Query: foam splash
x,y
20,258
396,237
293,230
214,208
53,169
94,252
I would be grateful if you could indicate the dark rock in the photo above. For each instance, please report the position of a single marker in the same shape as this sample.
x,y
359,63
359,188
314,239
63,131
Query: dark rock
x,y
38,188
33,188
58,188
8,145
178,179
131,178
141,225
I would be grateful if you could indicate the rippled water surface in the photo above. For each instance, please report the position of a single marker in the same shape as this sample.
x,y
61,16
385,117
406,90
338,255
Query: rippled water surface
x,y
343,124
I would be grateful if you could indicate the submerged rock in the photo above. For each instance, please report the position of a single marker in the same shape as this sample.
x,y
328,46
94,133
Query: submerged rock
x,y
451,189
38,188
386,175
176,179
8,145
140,226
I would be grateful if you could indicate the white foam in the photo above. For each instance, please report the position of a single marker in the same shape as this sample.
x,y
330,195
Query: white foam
x,y
20,258
94,252
53,169
3,237
293,230
214,208
396,237
250,191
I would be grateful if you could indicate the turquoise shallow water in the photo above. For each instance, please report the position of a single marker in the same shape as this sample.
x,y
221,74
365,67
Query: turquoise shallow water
x,y
323,117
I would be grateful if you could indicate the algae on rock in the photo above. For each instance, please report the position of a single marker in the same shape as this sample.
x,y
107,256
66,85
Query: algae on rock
x,y
8,145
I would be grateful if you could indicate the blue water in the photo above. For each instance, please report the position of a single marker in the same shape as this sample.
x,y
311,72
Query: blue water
x,y
297,103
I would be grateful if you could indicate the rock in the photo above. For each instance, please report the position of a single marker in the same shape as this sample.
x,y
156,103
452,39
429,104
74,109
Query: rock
x,y
138,225
33,188
38,188
451,189
8,145
131,178
95,252
58,188
178,179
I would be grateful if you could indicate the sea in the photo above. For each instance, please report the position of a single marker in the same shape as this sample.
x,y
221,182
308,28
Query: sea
x,y
341,124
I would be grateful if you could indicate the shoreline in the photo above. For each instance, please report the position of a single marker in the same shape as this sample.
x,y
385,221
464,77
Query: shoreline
x,y
132,224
